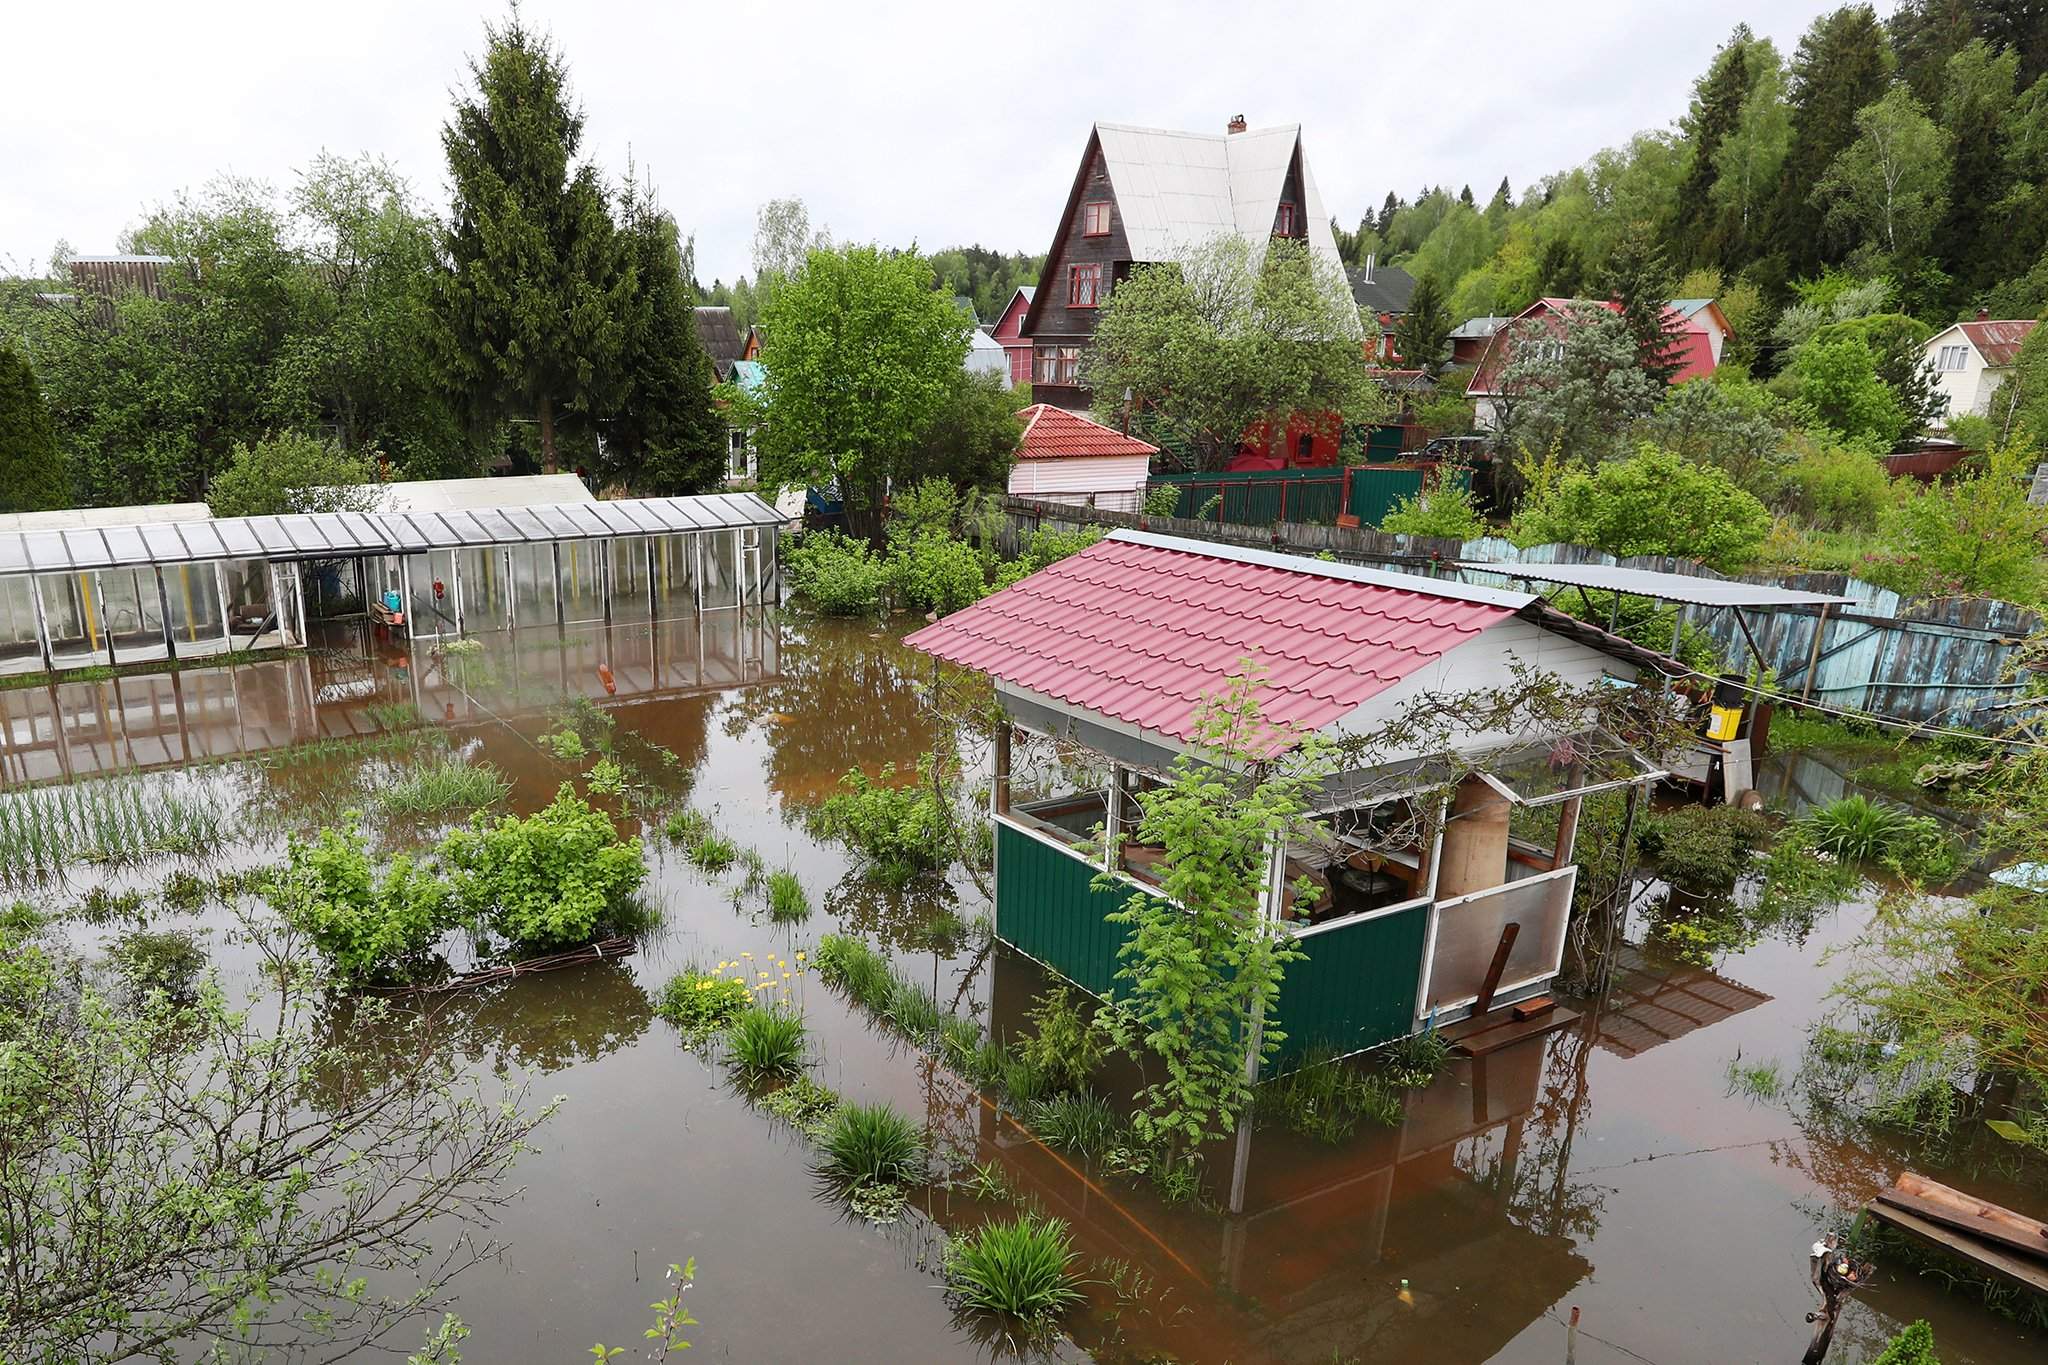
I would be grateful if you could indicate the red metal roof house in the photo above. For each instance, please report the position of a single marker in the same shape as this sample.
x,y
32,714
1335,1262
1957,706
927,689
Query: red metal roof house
x,y
1696,343
1065,457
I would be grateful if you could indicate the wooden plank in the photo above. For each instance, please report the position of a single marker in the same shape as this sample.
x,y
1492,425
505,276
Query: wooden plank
x,y
1508,934
1499,1033
1913,1183
1990,1259
1977,1225
1529,1009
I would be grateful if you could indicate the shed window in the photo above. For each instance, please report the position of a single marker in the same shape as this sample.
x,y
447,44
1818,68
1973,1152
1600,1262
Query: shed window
x,y
1283,222
1095,218
1953,358
1084,285
1057,365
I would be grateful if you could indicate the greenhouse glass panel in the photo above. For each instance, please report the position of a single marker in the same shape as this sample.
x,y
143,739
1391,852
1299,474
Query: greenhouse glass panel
x,y
629,580
133,616
485,604
431,610
582,563
71,609
533,585
247,582
675,575
193,592
21,644
721,569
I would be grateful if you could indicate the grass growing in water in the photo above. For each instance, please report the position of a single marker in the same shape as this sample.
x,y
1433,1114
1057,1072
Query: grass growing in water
x,y
857,969
1077,1121
786,899
767,1043
1326,1100
704,846
449,784
872,1144
1021,1269
1416,1059
111,819
701,1003
1755,1080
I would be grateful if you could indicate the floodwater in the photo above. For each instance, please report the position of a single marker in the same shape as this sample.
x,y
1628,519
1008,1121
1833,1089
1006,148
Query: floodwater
x,y
1609,1167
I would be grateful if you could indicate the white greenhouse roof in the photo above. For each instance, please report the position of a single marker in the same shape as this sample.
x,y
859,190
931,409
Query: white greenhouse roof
x,y
66,518
503,490
332,535
1669,587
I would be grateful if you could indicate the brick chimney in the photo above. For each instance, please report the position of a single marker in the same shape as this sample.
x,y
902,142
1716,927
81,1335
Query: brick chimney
x,y
1983,315
1236,124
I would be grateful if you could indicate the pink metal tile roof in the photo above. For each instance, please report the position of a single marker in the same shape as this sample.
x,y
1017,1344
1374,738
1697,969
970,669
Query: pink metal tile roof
x,y
1140,632
1052,433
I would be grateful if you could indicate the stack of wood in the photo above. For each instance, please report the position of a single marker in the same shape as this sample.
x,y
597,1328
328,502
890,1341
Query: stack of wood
x,y
1992,1239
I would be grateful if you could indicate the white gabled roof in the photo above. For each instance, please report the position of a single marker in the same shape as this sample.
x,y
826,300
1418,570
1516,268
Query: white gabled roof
x,y
1176,190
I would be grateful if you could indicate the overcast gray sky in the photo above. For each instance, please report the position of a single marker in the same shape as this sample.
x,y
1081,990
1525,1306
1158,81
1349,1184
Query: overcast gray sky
x,y
944,123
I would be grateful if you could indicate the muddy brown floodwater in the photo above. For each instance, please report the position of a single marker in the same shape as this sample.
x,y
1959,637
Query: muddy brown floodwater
x,y
1610,1167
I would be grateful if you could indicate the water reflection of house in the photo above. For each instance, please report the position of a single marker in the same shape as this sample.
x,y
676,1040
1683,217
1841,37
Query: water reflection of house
x,y
1110,652
1311,1270
1647,1005
171,719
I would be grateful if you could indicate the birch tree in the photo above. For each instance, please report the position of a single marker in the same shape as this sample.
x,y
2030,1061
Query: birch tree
x,y
1888,187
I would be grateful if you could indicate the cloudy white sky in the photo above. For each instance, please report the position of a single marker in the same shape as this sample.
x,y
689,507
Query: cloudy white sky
x,y
943,123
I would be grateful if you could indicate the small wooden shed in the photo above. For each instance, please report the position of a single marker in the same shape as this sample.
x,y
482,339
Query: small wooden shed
x,y
1064,457
1113,650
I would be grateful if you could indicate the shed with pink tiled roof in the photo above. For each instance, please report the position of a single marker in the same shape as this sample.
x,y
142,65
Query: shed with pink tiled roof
x,y
1116,649
1064,457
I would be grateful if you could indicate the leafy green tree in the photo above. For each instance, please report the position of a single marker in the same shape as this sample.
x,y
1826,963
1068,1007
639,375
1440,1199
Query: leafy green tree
x,y
1637,277
1653,503
1715,113
2019,406
663,436
1838,379
1841,66
1977,536
971,439
1897,348
1579,392
535,287
1422,336
291,472
1446,510
861,355
31,471
1887,188
1975,106
1726,422
1751,154
1231,338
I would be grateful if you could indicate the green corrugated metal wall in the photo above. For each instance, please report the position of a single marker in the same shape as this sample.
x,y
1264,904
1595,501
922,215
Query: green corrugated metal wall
x,y
1376,488
1047,905
1355,989
1261,497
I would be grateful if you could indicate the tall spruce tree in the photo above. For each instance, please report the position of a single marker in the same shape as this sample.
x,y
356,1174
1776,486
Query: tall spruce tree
x,y
1976,103
664,436
1842,65
1388,209
1423,335
1638,277
1925,34
535,286
31,475
1716,113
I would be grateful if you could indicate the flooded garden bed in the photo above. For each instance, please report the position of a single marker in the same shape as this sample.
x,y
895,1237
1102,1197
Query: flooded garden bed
x,y
1652,1166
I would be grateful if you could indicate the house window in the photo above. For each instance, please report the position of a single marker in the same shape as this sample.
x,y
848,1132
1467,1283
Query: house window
x,y
1283,225
1095,218
1084,285
1953,358
1057,365
735,454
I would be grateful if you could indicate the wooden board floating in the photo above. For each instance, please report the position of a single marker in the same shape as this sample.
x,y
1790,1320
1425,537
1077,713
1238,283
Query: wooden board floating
x,y
1993,1239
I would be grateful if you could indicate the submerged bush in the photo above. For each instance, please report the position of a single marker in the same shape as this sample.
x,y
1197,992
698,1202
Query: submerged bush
x,y
553,879
804,1105
1705,848
839,574
700,1003
449,784
1063,1047
168,961
872,1144
1023,1269
367,927
767,1043
897,829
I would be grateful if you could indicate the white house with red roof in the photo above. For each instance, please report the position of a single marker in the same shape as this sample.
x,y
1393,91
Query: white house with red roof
x,y
1065,457
1971,359
1442,885
1698,331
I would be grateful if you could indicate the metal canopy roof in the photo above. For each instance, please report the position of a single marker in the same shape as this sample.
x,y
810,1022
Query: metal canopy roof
x,y
331,535
1670,587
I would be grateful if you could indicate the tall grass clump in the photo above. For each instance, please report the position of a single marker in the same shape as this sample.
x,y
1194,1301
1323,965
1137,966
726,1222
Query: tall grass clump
x,y
872,1144
1022,1269
702,845
851,965
1416,1059
447,785
1326,1100
121,818
786,899
1077,1121
766,1044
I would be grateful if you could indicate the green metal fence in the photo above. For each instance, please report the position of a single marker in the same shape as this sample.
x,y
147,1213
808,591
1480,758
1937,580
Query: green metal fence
x,y
1261,497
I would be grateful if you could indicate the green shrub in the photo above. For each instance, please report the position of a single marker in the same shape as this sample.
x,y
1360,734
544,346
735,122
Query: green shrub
x,y
168,961
184,893
767,1043
1705,848
1912,1346
1836,487
895,828
1077,1121
607,778
701,1003
1022,1269
935,573
839,574
1063,1046
366,927
786,898
872,1144
1416,1059
553,879
1446,511
1652,503
449,784
1162,500
566,745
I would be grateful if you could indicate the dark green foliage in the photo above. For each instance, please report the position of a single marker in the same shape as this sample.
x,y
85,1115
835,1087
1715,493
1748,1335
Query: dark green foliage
x,y
1704,848
1841,66
1914,1345
184,893
169,962
786,899
1022,1269
1637,276
1856,829
873,1144
701,843
550,880
1422,337
988,278
766,1043
535,293
1416,1059
803,1104
1716,111
969,439
855,968
841,576
32,475
1326,1099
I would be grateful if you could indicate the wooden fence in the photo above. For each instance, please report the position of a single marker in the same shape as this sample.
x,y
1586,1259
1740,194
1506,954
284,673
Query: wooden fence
x,y
1941,663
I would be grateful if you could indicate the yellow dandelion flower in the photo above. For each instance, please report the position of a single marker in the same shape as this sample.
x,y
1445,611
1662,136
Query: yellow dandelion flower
x,y
746,955
799,957
785,976
703,985
764,976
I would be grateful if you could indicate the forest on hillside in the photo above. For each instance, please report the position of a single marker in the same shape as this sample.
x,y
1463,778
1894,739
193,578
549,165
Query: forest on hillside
x,y
1912,149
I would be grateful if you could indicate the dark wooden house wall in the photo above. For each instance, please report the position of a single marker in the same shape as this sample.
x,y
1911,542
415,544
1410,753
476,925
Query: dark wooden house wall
x,y
1054,323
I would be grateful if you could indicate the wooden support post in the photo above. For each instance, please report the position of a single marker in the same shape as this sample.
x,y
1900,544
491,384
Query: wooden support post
x,y
1820,629
1495,969
999,789
1567,832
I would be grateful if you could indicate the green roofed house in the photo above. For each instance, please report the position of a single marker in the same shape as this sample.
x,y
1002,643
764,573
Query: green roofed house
x,y
1422,859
